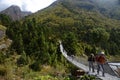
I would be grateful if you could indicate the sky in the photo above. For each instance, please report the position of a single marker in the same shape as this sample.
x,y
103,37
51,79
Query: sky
x,y
26,5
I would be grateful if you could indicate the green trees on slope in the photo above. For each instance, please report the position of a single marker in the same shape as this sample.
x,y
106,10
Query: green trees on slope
x,y
35,41
70,43
97,36
5,20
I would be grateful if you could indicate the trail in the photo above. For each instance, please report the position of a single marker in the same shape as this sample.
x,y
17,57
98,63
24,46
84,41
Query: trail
x,y
109,73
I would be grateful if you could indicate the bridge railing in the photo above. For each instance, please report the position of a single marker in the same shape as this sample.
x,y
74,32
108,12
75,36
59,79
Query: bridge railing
x,y
116,68
110,74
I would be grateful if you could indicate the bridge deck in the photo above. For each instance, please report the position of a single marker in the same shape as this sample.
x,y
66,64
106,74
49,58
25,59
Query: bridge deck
x,y
109,75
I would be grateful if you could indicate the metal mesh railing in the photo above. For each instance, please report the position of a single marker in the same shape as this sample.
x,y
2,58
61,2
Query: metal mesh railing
x,y
82,62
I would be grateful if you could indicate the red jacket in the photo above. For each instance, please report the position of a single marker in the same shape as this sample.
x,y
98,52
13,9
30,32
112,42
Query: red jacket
x,y
101,59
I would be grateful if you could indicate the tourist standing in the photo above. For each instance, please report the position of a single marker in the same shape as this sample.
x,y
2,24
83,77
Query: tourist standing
x,y
91,60
101,60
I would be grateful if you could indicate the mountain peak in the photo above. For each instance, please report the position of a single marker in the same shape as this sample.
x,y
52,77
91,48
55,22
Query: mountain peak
x,y
15,12
14,6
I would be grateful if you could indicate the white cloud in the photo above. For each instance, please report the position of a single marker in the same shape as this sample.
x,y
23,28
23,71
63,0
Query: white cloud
x,y
10,2
26,5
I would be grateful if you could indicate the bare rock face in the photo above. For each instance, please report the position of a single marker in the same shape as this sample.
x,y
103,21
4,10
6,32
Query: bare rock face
x,y
15,12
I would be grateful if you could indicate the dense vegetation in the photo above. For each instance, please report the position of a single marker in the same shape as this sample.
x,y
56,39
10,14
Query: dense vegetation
x,y
83,31
108,8
35,38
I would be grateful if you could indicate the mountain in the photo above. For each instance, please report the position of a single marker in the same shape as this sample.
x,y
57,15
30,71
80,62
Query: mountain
x,y
69,11
83,29
109,8
15,12
80,20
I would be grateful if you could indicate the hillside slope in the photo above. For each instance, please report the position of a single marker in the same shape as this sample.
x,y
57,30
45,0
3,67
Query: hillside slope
x,y
84,22
62,10
108,8
83,31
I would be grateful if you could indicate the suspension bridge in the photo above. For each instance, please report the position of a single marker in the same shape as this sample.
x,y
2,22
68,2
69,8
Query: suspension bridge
x,y
110,74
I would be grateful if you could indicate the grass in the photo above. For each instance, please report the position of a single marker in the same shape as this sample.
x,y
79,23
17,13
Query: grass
x,y
115,58
2,27
10,71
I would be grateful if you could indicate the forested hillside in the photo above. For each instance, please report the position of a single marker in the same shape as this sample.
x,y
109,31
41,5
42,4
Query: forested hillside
x,y
82,30
108,8
89,28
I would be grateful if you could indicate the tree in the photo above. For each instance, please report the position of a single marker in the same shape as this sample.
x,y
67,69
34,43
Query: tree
x,y
97,36
70,43
5,20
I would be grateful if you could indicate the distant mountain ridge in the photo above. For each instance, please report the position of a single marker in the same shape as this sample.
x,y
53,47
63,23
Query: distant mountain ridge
x,y
15,12
109,8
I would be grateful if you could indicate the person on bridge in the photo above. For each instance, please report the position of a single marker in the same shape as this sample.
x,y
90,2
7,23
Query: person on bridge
x,y
91,60
101,60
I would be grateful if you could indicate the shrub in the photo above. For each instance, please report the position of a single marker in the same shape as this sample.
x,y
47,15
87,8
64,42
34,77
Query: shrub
x,y
3,71
35,66
2,58
87,77
21,61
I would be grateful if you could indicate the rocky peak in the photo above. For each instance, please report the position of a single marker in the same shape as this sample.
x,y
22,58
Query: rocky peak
x,y
15,12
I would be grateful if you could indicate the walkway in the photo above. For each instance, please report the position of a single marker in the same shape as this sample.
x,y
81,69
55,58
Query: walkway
x,y
110,76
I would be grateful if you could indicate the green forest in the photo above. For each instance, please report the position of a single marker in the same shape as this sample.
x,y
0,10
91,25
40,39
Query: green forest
x,y
35,41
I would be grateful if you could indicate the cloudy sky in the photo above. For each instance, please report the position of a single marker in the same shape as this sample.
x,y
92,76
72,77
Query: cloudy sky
x,y
26,5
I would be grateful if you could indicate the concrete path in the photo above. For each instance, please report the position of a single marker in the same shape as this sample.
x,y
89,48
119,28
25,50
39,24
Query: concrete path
x,y
85,68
